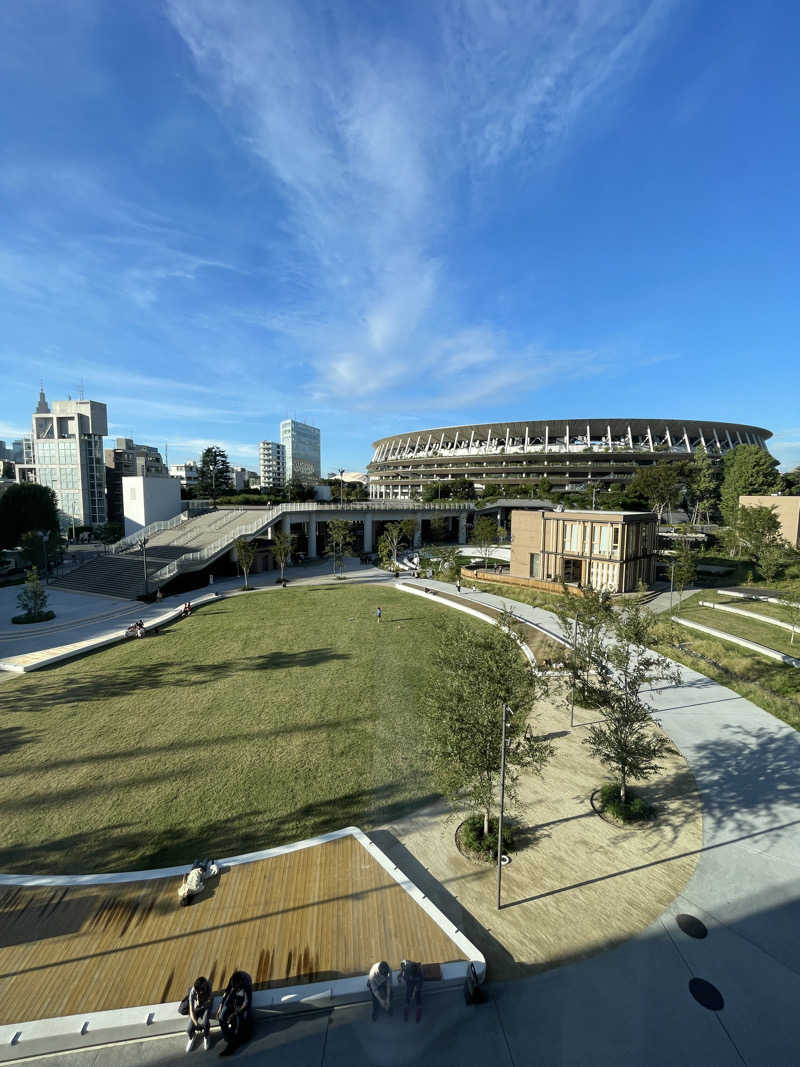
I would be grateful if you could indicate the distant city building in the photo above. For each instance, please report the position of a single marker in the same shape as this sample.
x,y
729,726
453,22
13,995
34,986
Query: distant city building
x,y
129,460
149,499
272,464
611,550
242,478
188,474
302,446
65,452
14,454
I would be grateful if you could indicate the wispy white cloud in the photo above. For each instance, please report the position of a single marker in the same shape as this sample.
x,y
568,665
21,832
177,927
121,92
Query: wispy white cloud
x,y
365,140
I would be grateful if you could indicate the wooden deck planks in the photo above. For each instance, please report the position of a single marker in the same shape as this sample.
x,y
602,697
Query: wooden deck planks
x,y
322,912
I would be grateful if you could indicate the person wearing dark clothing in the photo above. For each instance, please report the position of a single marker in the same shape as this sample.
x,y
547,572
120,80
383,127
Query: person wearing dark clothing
x,y
199,1000
411,974
236,1010
378,614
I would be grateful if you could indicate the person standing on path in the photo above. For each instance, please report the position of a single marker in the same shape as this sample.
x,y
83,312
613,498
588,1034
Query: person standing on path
x,y
458,585
378,614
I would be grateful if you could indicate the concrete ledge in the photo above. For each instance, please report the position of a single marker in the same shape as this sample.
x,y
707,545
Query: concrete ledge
x,y
763,650
18,1040
750,615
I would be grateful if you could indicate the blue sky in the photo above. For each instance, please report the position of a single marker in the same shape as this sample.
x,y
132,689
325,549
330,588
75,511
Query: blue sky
x,y
380,217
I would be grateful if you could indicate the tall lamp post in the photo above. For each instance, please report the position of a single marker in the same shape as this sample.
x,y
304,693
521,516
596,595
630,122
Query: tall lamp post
x,y
143,546
45,539
507,713
574,668
341,487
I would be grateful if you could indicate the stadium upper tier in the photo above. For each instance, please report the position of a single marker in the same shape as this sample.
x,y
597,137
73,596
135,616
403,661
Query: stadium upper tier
x,y
572,453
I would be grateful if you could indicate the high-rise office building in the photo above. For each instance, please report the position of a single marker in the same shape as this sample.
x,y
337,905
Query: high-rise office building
x,y
67,447
301,443
271,464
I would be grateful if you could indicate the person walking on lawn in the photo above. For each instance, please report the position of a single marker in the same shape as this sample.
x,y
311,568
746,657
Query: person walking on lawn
x,y
378,614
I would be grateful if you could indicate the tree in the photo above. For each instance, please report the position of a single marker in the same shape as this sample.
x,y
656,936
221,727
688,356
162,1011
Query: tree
x,y
790,598
448,563
479,673
703,486
246,554
339,542
659,485
295,491
111,532
584,621
462,489
484,534
754,531
685,570
625,739
214,476
282,544
32,599
791,482
26,507
394,534
747,471
544,487
36,549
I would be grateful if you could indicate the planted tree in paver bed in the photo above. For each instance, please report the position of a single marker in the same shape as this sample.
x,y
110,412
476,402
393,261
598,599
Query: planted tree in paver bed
x,y
340,542
626,739
246,554
584,621
484,534
478,674
32,599
282,544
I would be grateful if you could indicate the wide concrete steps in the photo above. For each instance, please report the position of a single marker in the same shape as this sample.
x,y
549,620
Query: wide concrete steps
x,y
121,575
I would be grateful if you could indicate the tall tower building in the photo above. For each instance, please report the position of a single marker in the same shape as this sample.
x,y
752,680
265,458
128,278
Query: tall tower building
x,y
68,456
271,464
301,443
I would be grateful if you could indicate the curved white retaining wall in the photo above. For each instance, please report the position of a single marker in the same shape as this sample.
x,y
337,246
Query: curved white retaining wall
x,y
750,615
90,1028
773,653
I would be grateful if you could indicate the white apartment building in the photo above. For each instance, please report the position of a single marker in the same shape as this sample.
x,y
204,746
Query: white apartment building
x,y
242,478
302,446
66,453
187,473
272,464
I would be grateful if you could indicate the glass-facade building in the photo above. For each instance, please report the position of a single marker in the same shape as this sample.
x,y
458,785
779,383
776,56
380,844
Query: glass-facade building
x,y
301,445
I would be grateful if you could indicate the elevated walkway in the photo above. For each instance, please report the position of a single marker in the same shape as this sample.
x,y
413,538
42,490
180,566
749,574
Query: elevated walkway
x,y
181,545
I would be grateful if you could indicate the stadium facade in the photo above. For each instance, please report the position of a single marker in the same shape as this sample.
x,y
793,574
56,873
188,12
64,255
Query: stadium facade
x,y
571,453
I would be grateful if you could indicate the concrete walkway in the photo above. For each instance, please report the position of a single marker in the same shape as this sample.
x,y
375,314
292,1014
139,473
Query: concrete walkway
x,y
633,1004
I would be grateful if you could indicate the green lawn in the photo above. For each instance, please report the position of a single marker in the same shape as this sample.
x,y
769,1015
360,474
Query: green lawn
x,y
260,720
740,626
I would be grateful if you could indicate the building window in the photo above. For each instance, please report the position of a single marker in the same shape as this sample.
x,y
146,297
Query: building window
x,y
615,537
534,564
601,540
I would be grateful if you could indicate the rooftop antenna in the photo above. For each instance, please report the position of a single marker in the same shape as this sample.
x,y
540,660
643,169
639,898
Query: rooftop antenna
x,y
80,391
166,454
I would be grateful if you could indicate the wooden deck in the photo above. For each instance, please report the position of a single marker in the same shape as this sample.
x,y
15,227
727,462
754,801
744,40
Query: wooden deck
x,y
323,912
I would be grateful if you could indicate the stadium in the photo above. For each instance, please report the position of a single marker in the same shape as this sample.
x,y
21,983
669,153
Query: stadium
x,y
573,454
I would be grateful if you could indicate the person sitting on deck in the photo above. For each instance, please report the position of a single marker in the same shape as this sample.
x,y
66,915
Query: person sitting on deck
x,y
194,882
411,974
379,984
187,609
140,631
236,1010
199,1002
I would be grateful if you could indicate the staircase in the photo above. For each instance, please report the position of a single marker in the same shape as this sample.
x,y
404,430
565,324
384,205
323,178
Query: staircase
x,y
119,575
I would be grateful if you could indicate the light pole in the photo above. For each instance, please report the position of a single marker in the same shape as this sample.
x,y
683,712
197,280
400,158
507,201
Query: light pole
x,y
507,712
341,487
143,546
45,539
671,586
574,670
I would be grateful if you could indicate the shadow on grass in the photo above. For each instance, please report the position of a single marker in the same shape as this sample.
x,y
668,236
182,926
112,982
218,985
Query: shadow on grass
x,y
51,687
129,846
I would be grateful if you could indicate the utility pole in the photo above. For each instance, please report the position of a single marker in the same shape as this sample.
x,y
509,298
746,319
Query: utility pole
x,y
506,712
341,487
143,546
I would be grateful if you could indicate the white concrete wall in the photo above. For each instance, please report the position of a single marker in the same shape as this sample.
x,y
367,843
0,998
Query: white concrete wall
x,y
146,500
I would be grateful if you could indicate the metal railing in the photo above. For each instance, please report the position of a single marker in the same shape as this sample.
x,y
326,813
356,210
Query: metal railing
x,y
269,516
146,531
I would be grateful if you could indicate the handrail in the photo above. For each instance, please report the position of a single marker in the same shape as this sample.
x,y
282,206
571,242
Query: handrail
x,y
268,516
146,531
